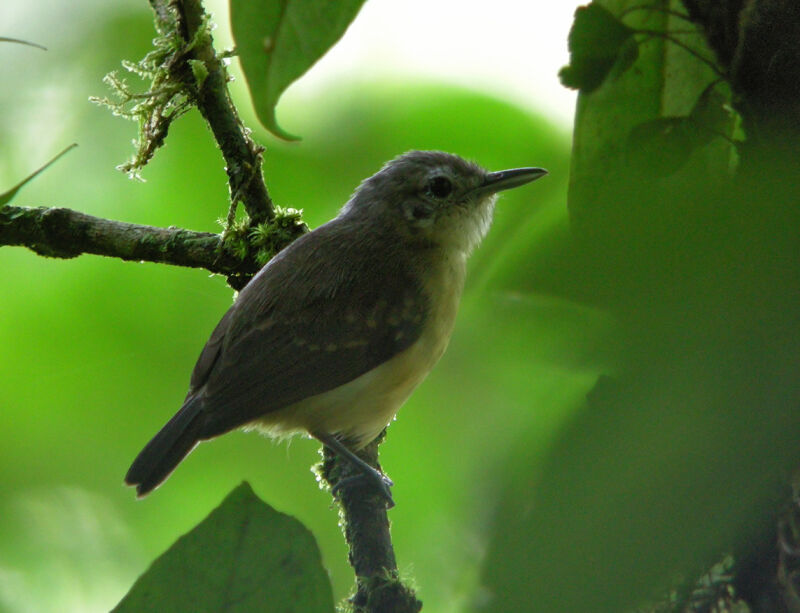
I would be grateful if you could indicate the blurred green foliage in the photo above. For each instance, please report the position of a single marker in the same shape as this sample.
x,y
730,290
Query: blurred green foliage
x,y
683,452
97,352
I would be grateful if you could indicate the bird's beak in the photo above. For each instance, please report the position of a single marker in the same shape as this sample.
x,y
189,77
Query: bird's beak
x,y
506,179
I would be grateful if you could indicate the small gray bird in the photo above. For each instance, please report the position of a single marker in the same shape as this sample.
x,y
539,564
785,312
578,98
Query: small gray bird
x,y
335,332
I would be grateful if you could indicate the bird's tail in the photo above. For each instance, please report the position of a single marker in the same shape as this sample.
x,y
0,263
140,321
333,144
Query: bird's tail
x,y
167,448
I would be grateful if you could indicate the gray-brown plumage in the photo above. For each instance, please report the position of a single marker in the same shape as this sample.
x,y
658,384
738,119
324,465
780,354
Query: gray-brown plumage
x,y
334,333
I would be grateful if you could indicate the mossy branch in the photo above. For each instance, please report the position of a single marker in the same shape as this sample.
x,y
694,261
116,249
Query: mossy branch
x,y
64,233
242,155
184,70
365,524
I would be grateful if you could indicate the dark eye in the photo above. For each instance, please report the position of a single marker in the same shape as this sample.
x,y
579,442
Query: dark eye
x,y
440,187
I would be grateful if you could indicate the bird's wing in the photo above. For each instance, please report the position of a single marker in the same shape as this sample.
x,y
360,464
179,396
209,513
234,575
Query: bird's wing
x,y
288,337
210,354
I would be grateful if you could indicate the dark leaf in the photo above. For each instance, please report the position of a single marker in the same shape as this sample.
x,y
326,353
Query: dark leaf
x,y
662,146
244,556
597,41
279,40
711,114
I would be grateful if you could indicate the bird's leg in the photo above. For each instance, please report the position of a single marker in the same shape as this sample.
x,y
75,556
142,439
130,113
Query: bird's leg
x,y
381,481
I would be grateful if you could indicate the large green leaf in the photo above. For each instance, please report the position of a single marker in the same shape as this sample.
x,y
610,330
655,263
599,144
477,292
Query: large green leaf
x,y
677,456
244,556
665,81
279,40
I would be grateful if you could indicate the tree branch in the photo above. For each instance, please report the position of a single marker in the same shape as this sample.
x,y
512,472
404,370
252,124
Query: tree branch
x,y
242,155
64,233
365,524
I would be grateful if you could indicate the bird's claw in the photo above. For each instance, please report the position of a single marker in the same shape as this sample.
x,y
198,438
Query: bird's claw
x,y
381,482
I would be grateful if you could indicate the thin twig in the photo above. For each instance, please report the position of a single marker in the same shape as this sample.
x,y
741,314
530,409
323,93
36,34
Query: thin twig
x,y
242,155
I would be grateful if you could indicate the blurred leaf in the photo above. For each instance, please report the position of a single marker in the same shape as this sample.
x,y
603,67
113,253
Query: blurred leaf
x,y
279,40
8,196
664,470
713,114
597,42
663,145
244,556
667,82
681,456
18,41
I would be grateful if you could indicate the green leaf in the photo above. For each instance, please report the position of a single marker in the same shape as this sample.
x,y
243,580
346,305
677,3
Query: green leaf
x,y
664,145
597,41
665,82
279,40
8,196
244,556
712,113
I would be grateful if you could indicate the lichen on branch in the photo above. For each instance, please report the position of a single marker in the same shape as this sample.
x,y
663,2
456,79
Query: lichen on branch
x,y
183,71
63,233
166,98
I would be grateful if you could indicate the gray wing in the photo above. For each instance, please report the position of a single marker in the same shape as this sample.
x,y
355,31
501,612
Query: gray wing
x,y
322,313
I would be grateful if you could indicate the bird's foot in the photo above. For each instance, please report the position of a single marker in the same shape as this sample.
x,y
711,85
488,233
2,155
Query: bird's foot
x,y
380,481
365,471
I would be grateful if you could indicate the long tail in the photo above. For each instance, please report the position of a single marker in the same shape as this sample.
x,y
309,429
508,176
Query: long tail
x,y
167,448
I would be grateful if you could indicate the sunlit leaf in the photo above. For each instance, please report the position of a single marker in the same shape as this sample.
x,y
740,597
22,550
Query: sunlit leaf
x,y
279,40
244,556
597,41
8,196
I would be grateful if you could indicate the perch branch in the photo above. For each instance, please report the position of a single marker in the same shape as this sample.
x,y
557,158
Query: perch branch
x,y
365,524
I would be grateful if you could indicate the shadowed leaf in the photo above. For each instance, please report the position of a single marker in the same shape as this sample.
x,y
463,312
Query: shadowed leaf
x,y
597,42
244,556
664,145
279,40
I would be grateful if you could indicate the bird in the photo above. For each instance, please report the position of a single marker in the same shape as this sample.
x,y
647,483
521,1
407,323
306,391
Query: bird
x,y
333,334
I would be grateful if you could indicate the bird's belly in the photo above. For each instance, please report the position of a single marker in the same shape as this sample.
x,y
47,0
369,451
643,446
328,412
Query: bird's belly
x,y
357,411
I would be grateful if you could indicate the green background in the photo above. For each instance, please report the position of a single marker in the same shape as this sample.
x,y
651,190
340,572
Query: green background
x,y
96,353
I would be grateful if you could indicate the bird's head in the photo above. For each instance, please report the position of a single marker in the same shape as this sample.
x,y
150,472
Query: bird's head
x,y
435,198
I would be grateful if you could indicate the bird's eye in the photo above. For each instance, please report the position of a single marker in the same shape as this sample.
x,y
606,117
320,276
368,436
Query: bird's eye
x,y
440,187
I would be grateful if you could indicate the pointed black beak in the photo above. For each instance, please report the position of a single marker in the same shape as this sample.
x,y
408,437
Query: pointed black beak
x,y
507,179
